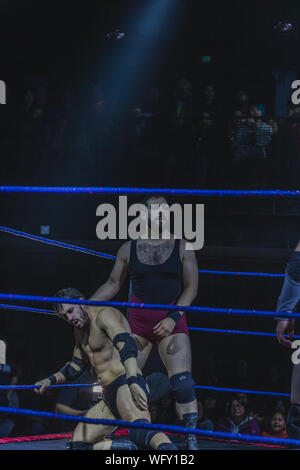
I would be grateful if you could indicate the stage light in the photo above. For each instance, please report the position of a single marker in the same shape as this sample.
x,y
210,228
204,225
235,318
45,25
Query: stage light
x,y
283,27
115,35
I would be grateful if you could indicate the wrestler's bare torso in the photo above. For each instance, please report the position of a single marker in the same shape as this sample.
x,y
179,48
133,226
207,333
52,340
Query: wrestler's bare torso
x,y
95,345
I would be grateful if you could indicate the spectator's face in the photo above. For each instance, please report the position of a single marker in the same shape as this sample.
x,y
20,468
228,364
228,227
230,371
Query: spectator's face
x,y
236,409
278,422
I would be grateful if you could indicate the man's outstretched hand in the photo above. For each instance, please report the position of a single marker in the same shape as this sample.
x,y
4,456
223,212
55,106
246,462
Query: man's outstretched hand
x,y
285,327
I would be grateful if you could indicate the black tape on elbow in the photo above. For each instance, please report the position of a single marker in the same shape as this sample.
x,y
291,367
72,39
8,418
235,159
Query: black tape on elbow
x,y
129,349
70,373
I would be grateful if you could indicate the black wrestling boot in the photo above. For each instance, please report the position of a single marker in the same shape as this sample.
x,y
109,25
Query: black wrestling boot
x,y
123,444
293,422
189,420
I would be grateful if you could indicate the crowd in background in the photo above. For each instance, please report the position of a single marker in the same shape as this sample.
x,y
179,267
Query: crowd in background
x,y
183,134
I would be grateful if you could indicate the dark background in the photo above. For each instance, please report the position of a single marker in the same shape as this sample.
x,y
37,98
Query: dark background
x,y
61,49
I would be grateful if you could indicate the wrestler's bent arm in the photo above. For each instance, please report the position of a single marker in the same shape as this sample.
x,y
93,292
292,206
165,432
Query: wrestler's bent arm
x,y
116,278
190,290
110,322
70,371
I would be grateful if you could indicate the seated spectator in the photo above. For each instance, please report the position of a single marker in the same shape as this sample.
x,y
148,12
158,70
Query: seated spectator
x,y
276,427
210,406
78,400
203,421
8,376
237,419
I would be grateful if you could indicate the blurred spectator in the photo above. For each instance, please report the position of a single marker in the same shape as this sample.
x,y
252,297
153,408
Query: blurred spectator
x,y
241,102
210,406
78,400
8,376
203,421
208,100
237,419
250,138
276,427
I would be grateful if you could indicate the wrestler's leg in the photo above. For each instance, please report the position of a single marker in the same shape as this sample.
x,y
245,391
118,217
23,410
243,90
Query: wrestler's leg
x,y
129,412
95,433
144,347
175,352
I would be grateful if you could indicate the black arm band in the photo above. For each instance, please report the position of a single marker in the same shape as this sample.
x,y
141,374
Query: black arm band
x,y
132,380
52,379
70,373
129,349
175,315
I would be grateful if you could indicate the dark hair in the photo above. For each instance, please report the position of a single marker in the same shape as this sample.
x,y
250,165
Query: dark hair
x,y
242,401
68,293
148,197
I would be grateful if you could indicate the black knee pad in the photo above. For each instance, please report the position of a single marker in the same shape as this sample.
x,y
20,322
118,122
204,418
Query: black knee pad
x,y
79,445
183,386
293,422
141,437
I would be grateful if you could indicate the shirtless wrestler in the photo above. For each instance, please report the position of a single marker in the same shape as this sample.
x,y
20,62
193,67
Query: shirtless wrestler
x,y
103,339
161,271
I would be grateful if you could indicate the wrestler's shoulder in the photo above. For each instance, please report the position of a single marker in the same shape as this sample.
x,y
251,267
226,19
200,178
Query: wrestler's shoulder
x,y
125,248
124,251
102,314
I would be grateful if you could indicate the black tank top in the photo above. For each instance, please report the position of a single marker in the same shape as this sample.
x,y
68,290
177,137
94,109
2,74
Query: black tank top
x,y
159,283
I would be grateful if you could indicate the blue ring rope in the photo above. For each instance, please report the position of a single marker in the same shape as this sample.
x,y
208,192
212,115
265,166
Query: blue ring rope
x,y
239,390
27,309
55,243
219,311
126,190
158,427
208,330
49,241
200,387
